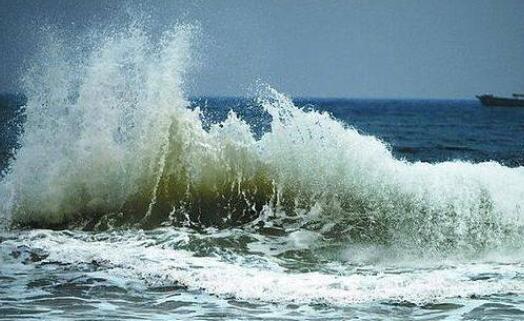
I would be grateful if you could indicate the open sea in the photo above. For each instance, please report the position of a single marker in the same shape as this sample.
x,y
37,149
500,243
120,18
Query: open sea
x,y
121,198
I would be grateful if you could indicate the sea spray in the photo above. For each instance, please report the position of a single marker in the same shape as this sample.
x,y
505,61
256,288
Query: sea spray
x,y
92,137
110,141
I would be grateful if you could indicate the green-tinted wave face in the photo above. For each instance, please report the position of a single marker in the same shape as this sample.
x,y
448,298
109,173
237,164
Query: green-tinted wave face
x,y
111,143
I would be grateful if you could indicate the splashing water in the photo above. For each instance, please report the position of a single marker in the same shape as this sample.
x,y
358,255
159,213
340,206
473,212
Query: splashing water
x,y
111,140
309,213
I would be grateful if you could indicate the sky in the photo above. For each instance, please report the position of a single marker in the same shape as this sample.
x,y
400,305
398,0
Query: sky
x,y
367,49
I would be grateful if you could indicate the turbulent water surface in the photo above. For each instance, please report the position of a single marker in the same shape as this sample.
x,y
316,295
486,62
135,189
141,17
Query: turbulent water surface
x,y
123,198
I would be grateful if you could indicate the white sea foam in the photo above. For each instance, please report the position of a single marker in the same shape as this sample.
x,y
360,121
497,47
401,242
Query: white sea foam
x,y
135,260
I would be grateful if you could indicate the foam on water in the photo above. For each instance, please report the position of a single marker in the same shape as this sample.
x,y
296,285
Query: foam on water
x,y
137,260
110,141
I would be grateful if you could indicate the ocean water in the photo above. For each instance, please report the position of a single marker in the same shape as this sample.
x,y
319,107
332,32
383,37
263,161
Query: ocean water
x,y
123,198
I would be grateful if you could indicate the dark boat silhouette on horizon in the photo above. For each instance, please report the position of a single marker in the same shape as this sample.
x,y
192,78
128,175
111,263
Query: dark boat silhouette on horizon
x,y
517,100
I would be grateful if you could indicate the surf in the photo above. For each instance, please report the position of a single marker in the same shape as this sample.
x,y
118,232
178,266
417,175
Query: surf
x,y
110,141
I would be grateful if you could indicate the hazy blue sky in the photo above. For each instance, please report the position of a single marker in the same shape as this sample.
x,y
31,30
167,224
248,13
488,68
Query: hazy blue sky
x,y
433,48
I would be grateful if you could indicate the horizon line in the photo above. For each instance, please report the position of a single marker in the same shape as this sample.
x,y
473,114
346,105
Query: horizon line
x,y
308,97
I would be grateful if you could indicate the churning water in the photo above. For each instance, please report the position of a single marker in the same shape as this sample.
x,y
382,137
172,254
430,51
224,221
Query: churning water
x,y
124,198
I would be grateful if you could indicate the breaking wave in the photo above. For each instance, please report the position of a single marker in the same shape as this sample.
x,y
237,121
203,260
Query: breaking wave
x,y
110,141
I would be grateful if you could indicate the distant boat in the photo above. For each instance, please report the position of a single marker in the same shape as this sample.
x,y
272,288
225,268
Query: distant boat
x,y
489,100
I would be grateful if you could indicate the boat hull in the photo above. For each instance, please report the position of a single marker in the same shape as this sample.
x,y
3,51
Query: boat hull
x,y
488,100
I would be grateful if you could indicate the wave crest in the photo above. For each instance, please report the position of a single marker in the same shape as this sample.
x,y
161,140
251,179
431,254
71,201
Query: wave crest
x,y
110,141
